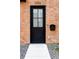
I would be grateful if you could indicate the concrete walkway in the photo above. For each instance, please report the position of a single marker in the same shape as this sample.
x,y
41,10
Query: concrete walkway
x,y
37,51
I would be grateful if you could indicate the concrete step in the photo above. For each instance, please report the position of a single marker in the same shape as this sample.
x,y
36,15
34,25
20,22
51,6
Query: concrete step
x,y
37,51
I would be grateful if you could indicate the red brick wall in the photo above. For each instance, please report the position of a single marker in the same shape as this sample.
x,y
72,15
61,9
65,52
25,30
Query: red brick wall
x,y
51,18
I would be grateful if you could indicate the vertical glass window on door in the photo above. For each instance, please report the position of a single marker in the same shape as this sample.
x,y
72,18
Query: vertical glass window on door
x,y
37,17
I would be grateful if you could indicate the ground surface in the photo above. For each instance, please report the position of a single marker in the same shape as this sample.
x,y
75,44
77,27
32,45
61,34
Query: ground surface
x,y
39,51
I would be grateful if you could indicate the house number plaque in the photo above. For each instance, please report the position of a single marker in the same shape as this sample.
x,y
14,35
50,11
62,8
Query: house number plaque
x,y
37,2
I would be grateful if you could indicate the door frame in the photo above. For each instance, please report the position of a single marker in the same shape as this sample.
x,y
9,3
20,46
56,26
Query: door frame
x,y
44,18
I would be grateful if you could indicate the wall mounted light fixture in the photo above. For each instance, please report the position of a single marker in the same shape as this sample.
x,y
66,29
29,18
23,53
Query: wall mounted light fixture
x,y
22,0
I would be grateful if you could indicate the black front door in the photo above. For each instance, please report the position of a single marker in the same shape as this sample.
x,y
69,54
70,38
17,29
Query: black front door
x,y
37,24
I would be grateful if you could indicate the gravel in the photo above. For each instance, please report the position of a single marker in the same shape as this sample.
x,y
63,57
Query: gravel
x,y
23,50
53,50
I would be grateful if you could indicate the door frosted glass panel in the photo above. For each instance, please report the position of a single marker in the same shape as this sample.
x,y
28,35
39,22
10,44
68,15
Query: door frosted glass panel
x,y
35,23
40,13
40,22
35,13
37,18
